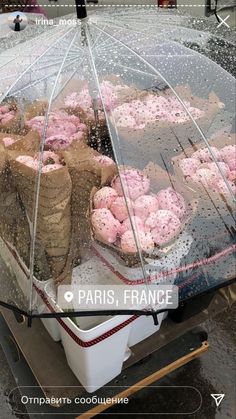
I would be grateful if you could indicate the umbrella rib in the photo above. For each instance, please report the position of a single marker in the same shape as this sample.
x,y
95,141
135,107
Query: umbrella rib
x,y
37,186
180,100
98,37
8,62
43,78
108,125
130,68
66,82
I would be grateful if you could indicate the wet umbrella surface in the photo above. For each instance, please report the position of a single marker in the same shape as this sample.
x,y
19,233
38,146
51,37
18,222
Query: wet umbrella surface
x,y
159,212
117,163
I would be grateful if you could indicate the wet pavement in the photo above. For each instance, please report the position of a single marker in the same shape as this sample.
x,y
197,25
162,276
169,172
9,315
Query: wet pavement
x,y
213,372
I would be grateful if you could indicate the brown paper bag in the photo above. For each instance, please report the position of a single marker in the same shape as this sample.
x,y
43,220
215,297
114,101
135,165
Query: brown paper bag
x,y
16,124
9,205
11,211
54,214
36,108
85,173
29,142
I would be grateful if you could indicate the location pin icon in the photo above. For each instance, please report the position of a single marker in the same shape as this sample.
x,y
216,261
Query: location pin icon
x,y
68,296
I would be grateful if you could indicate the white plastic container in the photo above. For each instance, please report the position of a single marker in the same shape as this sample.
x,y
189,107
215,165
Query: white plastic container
x,y
96,355
21,272
95,347
143,327
16,266
50,324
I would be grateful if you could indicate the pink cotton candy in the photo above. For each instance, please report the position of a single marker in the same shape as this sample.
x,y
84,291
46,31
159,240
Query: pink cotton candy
x,y
137,114
7,141
50,161
119,208
144,205
205,176
33,164
74,120
232,176
78,136
205,156
24,159
228,153
189,166
82,99
61,128
105,226
169,199
128,244
137,224
104,160
51,167
104,197
28,161
221,187
59,123
81,127
122,111
167,226
135,183
151,221
232,164
109,94
36,123
223,166
4,109
127,122
58,142
7,118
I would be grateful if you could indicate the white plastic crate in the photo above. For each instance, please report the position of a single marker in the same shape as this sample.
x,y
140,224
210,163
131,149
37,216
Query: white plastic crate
x,y
96,347
21,272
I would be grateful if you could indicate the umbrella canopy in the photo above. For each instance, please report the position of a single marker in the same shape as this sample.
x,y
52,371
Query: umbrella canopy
x,y
118,163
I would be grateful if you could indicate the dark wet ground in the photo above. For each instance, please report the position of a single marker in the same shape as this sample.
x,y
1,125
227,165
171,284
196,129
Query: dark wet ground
x,y
214,372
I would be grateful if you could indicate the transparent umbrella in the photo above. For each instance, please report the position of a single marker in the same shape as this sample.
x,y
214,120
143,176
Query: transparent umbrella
x,y
117,167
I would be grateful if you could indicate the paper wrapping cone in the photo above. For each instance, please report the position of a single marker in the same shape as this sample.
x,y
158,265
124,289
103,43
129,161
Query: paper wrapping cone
x,y
160,179
3,159
16,124
222,200
24,143
85,173
12,215
13,219
9,205
36,108
54,213
14,227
